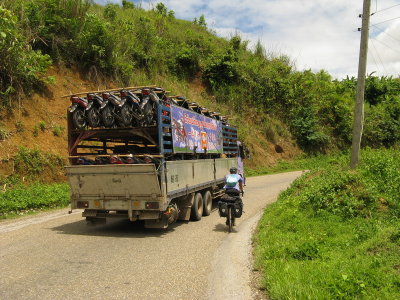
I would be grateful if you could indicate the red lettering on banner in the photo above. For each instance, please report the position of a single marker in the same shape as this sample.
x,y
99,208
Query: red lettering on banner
x,y
195,122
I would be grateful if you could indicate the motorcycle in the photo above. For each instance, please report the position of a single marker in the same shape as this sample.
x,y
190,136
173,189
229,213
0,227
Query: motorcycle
x,y
230,207
94,113
143,110
78,110
148,106
137,114
116,108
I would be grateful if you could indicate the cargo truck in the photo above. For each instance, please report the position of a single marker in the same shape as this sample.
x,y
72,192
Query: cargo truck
x,y
168,171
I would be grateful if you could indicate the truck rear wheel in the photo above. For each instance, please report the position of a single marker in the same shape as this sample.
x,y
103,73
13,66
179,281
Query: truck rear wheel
x,y
207,200
197,207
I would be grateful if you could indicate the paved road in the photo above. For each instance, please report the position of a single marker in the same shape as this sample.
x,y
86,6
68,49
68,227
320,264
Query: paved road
x,y
57,256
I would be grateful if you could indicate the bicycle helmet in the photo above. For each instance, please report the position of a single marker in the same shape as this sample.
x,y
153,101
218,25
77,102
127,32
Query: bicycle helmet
x,y
233,170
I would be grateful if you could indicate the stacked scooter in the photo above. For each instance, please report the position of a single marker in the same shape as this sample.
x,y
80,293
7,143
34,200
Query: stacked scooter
x,y
116,108
127,107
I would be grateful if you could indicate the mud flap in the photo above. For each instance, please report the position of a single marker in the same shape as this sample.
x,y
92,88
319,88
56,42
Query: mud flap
x,y
93,221
185,207
162,223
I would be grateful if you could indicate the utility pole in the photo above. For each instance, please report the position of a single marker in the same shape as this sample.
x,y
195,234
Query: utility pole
x,y
359,105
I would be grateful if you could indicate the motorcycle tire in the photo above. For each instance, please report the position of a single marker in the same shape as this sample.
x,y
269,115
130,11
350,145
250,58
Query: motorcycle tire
x,y
93,117
79,118
148,112
107,116
126,116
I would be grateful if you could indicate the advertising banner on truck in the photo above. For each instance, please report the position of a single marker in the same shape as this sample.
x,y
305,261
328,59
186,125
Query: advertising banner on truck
x,y
192,132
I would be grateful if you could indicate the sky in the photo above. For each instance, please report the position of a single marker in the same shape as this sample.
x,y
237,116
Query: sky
x,y
315,34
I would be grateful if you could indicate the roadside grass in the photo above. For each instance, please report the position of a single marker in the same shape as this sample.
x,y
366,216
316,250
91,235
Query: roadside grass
x,y
36,184
23,199
335,233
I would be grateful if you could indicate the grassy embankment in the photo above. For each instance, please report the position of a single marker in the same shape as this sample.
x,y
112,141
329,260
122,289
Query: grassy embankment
x,y
30,189
334,234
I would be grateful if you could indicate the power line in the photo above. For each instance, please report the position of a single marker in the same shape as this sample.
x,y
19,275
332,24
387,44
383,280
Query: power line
x,y
386,45
386,21
383,31
373,58
376,8
379,57
378,11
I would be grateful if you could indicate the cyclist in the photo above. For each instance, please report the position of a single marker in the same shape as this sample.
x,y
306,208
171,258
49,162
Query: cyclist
x,y
234,186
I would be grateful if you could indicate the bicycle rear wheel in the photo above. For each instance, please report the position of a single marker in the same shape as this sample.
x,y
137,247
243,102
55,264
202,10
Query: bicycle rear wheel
x,y
229,218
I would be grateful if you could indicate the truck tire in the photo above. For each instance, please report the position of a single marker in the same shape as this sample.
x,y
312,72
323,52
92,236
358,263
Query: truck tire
x,y
197,207
207,200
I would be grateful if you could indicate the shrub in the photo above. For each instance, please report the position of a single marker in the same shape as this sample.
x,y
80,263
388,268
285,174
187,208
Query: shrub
x,y
19,126
35,164
36,196
35,131
42,126
127,4
21,68
4,134
58,130
95,44
221,70
110,11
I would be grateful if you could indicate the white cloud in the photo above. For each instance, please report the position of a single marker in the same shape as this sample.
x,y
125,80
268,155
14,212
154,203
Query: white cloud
x,y
317,34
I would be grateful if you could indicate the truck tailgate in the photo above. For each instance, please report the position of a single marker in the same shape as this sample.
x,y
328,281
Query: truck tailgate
x,y
113,181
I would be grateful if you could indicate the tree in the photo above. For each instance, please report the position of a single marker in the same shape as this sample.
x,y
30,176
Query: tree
x,y
161,9
127,4
171,14
259,50
202,21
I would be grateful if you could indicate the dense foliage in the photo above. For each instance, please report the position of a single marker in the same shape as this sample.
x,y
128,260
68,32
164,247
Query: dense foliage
x,y
22,199
21,68
335,233
125,42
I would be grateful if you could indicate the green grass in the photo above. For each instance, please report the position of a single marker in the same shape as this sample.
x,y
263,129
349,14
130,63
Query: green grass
x,y
335,234
23,199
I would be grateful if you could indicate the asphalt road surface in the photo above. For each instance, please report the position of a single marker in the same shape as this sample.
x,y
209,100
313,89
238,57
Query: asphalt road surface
x,y
57,256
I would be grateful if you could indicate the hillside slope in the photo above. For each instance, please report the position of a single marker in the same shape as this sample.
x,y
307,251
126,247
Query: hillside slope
x,y
40,120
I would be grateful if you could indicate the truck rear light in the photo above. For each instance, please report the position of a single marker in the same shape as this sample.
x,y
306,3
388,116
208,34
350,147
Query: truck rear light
x,y
82,204
152,205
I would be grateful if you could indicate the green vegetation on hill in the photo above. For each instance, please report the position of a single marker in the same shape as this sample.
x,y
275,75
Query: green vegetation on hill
x,y
334,234
134,46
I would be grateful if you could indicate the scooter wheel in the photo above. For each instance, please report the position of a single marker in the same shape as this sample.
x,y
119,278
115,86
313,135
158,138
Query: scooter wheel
x,y
93,116
79,118
107,116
